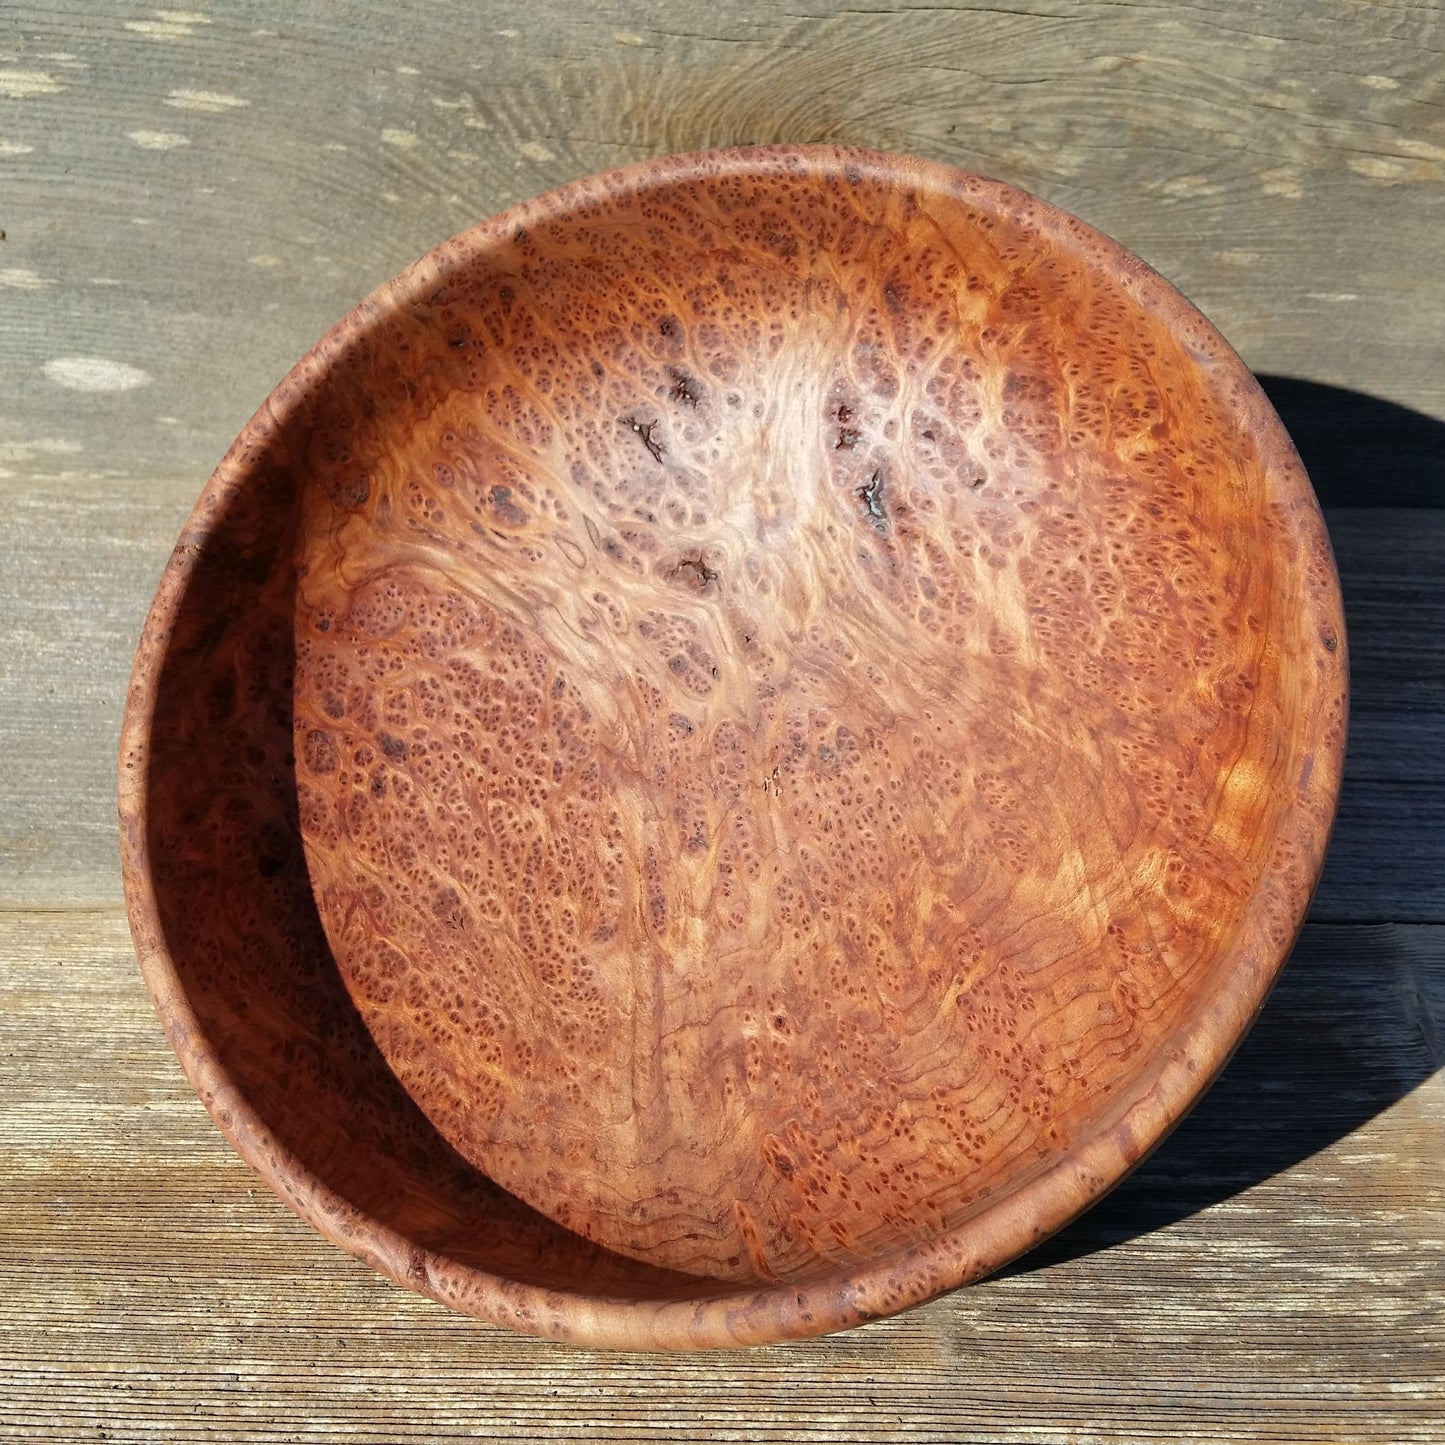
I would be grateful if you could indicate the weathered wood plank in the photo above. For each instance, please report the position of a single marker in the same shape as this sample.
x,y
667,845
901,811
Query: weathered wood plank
x,y
72,599
189,201
82,559
1275,1272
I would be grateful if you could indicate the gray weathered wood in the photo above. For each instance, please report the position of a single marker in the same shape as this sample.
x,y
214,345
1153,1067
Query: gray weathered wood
x,y
81,561
1273,1273
188,203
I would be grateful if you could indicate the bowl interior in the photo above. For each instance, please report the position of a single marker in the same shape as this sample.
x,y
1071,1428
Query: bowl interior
x,y
755,729
796,694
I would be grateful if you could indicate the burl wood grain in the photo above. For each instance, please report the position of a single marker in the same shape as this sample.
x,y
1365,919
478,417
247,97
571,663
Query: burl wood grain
x,y
233,951
819,699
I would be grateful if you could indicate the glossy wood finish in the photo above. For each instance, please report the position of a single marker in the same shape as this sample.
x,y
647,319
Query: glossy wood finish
x,y
920,620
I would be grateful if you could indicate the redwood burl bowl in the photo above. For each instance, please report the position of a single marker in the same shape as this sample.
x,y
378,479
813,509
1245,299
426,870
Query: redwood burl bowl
x,y
733,748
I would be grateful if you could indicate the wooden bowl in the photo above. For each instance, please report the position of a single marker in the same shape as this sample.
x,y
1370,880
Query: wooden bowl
x,y
810,687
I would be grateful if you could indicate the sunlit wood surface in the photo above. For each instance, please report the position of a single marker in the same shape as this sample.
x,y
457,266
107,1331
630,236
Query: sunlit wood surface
x,y
189,199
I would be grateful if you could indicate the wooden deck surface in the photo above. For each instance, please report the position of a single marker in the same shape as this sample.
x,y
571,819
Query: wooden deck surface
x,y
189,197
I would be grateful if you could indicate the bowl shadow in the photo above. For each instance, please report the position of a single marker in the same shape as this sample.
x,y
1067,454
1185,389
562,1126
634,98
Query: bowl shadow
x,y
1339,1040
1359,450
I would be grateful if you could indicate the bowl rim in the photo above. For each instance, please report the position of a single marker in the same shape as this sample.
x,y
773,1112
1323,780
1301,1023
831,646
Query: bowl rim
x,y
1064,1187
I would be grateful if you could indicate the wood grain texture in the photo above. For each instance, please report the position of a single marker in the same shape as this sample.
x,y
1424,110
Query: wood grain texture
x,y
250,174
1270,1274
70,612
